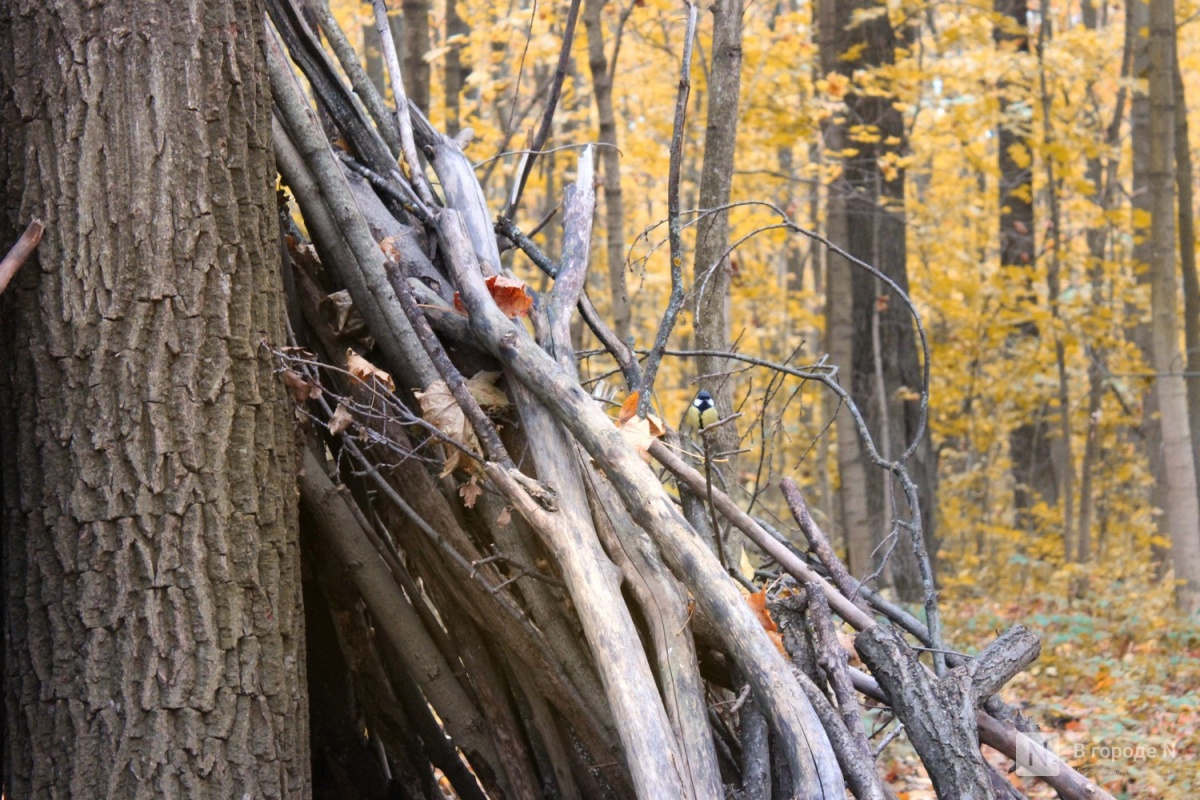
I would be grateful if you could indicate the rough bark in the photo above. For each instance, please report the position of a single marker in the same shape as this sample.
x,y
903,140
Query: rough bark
x,y
153,625
1181,508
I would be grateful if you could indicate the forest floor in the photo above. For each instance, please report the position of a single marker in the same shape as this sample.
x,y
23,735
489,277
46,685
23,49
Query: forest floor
x,y
1116,689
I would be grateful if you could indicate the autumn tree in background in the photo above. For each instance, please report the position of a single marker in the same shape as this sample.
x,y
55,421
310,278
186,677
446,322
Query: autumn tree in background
x,y
1181,510
869,330
153,633
1033,466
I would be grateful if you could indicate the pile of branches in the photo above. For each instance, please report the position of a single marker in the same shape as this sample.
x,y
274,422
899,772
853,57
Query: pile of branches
x,y
506,599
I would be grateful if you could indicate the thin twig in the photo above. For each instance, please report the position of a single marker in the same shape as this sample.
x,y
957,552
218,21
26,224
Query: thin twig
x,y
403,121
543,133
674,227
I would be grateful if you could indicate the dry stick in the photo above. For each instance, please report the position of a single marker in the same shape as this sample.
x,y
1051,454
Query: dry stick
x,y
832,659
1003,738
403,122
493,690
641,719
459,187
543,133
19,252
674,226
817,538
493,450
309,167
308,54
804,740
708,489
496,611
397,623
620,351
791,562
664,606
578,209
364,87
940,713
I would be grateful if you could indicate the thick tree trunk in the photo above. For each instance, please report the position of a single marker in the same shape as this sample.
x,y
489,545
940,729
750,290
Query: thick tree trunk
x,y
1181,511
152,618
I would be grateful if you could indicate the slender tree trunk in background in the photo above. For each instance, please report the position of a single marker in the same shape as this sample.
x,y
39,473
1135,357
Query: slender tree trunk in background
x,y
414,48
1138,18
1103,176
154,641
1187,257
373,56
1182,509
457,33
884,368
1061,447
1029,446
711,269
610,165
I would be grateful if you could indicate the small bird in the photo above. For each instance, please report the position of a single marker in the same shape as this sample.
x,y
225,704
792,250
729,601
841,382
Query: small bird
x,y
702,412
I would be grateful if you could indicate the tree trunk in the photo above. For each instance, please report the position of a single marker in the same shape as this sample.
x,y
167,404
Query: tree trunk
x,y
1139,192
610,160
457,32
711,270
1181,510
153,626
1030,449
1187,257
415,46
884,361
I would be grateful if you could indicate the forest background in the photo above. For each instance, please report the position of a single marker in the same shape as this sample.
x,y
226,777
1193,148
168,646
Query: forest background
x,y
1024,173
1023,211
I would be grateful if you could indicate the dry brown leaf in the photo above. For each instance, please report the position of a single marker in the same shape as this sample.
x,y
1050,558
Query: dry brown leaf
x,y
470,492
509,295
637,433
362,369
758,604
657,428
390,251
439,409
628,409
482,386
340,420
301,389
505,516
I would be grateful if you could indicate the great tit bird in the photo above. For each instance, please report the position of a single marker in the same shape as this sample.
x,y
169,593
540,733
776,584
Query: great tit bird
x,y
702,412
